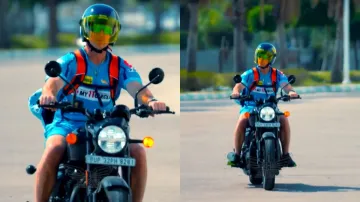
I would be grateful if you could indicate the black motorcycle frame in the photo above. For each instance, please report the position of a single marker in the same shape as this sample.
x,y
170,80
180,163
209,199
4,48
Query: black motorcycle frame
x,y
252,151
74,157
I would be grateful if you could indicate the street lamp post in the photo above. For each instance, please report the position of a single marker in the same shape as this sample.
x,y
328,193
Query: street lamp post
x,y
346,39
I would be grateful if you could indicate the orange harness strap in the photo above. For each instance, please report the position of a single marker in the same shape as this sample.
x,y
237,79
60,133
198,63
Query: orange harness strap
x,y
257,77
114,76
79,77
81,70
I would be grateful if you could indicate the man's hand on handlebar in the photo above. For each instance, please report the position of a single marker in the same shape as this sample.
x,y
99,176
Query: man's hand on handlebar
x,y
47,100
157,106
293,94
235,94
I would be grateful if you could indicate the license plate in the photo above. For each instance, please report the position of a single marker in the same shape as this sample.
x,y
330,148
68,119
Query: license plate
x,y
114,161
267,125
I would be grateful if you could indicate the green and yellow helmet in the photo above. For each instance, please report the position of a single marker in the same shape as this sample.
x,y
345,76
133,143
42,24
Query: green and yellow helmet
x,y
265,55
100,25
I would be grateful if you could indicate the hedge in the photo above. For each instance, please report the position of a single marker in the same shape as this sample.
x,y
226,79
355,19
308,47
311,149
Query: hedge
x,y
213,80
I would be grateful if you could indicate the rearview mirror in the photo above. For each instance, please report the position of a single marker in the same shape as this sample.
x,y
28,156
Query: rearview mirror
x,y
291,79
53,69
156,75
237,78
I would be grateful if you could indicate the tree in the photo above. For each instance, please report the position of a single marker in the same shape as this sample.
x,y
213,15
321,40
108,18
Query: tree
x,y
335,12
4,35
237,18
158,7
52,9
193,6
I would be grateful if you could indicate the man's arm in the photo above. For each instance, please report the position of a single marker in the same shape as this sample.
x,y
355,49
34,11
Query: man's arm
x,y
283,80
144,97
245,77
288,88
52,86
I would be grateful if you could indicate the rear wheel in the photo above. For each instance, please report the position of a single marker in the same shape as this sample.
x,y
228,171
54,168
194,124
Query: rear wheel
x,y
255,180
269,164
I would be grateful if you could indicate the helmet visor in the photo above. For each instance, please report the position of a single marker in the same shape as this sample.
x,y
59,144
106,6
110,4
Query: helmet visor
x,y
101,23
264,55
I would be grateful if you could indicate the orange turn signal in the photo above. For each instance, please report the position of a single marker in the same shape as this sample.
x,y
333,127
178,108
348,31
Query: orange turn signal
x,y
286,113
247,115
71,138
148,142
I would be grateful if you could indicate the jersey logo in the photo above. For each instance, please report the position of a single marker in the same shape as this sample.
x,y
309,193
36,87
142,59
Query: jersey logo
x,y
88,80
89,94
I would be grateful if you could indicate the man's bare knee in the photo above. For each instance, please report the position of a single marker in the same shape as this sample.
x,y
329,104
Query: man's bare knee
x,y
138,152
54,151
242,122
282,119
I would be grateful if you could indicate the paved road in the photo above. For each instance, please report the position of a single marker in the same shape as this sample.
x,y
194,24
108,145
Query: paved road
x,y
21,140
325,145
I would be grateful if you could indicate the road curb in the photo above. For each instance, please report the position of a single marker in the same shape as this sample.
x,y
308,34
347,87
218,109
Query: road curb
x,y
301,90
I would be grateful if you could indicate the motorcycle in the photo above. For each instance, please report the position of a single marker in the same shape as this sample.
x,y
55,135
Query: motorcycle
x,y
97,162
261,151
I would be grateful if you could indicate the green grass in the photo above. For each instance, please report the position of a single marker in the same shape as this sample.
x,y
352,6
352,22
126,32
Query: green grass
x,y
68,40
202,79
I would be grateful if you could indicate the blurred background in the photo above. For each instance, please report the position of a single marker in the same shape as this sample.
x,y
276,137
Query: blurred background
x,y
43,24
308,35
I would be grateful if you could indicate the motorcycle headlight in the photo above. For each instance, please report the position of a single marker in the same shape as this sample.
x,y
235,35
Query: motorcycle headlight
x,y
267,113
112,139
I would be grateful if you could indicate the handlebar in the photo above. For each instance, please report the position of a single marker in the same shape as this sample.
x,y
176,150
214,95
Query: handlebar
x,y
142,111
284,98
287,98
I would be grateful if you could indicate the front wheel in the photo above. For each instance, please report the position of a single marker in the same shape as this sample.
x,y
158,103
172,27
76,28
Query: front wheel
x,y
118,195
269,164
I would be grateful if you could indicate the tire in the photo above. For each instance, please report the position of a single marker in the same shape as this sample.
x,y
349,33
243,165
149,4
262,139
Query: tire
x,y
269,159
255,180
118,195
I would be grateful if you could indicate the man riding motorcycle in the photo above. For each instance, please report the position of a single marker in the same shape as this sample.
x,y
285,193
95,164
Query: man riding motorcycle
x,y
263,81
98,76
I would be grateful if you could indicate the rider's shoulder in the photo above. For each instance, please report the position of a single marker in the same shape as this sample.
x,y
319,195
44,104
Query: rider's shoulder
x,y
66,59
248,72
278,71
125,64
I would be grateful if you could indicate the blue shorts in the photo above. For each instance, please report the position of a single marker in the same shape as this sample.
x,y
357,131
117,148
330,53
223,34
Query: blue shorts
x,y
245,109
61,127
57,127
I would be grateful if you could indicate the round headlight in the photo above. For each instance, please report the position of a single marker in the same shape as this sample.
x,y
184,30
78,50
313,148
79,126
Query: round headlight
x,y
112,139
267,114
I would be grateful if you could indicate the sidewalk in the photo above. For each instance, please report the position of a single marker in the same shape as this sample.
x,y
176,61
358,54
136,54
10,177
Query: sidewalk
x,y
196,96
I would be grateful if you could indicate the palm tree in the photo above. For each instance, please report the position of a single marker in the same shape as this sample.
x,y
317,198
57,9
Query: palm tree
x,y
4,36
238,22
193,6
53,26
284,11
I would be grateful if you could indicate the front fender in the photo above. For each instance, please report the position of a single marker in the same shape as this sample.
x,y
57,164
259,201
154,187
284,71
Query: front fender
x,y
268,135
114,188
113,182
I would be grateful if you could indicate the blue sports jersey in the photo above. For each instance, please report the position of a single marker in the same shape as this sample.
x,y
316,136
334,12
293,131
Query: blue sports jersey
x,y
96,75
264,88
